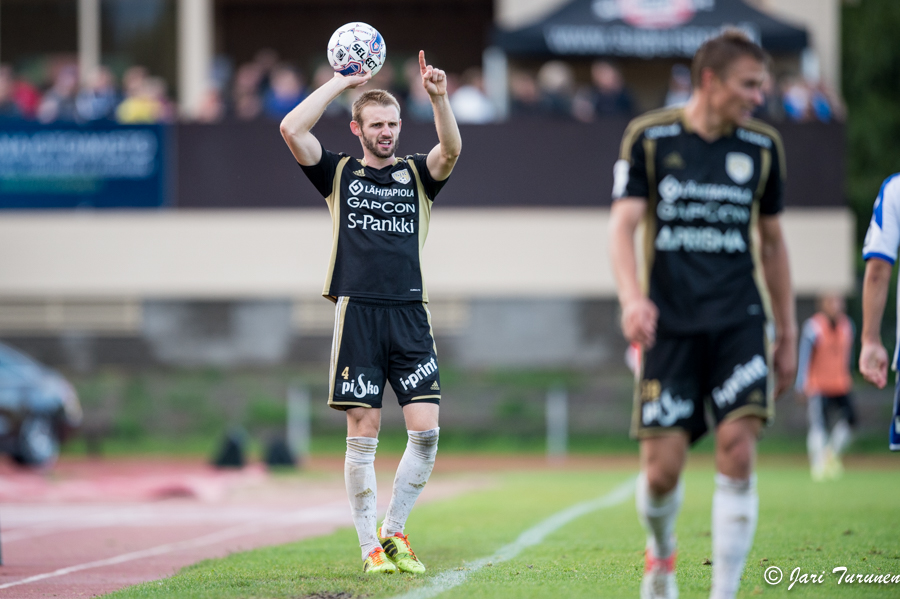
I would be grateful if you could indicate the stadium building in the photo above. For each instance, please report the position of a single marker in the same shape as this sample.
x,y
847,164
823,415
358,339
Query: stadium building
x,y
189,242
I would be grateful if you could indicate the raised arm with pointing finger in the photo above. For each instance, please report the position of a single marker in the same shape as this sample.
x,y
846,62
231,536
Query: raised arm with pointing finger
x,y
705,181
443,156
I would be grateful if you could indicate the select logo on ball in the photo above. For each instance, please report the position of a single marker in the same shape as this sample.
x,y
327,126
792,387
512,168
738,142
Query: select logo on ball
x,y
356,48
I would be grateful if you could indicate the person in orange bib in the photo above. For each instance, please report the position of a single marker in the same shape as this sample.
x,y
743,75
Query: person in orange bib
x,y
824,382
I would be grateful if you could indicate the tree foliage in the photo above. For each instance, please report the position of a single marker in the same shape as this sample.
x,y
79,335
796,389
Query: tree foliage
x,y
871,88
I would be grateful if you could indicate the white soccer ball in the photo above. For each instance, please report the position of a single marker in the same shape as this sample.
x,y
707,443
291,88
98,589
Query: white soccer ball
x,y
356,48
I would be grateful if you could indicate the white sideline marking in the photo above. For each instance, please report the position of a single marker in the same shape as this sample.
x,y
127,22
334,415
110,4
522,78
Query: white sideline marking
x,y
451,578
319,514
33,523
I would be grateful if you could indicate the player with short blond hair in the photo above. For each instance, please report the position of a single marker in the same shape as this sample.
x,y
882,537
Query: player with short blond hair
x,y
377,97
380,206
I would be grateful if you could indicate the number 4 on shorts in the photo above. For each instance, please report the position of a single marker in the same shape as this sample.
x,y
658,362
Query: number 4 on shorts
x,y
346,373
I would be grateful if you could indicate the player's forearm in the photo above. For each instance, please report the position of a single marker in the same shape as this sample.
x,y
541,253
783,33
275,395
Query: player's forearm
x,y
624,258
778,281
447,129
875,289
307,113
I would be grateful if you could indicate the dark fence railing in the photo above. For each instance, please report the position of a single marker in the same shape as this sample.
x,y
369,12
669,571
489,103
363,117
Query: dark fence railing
x,y
525,163
518,163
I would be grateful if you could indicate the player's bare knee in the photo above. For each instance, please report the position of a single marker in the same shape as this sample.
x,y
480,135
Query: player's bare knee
x,y
662,459
735,456
736,464
421,416
363,422
661,481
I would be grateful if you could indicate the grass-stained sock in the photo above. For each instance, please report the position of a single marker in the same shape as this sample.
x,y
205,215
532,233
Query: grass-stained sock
x,y
359,476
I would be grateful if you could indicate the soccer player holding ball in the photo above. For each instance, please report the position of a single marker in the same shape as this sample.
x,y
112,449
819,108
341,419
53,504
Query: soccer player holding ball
x,y
380,207
706,180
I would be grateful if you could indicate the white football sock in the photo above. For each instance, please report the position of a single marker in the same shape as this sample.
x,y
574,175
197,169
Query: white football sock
x,y
841,435
734,513
658,515
359,476
412,474
816,441
817,437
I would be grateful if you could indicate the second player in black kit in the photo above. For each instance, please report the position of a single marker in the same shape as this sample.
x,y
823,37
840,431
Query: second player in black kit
x,y
703,201
709,301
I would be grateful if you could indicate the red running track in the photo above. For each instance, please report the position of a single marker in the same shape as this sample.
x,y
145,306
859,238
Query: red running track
x,y
90,527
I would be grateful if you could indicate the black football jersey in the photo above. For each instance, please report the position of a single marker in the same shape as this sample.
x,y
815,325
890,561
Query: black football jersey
x,y
380,219
701,258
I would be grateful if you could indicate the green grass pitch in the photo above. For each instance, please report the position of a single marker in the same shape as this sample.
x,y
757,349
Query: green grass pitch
x,y
852,523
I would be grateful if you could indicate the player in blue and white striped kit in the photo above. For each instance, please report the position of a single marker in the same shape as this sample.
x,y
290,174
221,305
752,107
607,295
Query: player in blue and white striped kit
x,y
880,253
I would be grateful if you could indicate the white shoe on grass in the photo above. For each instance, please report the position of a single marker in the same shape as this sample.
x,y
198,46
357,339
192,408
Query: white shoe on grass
x,y
659,577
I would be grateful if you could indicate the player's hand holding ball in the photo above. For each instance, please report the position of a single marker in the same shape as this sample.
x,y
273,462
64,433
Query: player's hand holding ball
x,y
356,51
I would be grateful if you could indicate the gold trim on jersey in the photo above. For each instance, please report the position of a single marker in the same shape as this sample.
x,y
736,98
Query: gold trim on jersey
x,y
772,133
765,171
425,397
334,207
424,219
649,220
662,116
759,277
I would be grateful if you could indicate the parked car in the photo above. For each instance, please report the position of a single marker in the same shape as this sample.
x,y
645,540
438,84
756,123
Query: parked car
x,y
38,409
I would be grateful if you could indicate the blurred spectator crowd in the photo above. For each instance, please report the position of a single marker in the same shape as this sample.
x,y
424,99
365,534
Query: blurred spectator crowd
x,y
141,98
268,88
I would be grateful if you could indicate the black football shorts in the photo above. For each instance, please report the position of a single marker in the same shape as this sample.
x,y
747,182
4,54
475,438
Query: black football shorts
x,y
726,372
381,341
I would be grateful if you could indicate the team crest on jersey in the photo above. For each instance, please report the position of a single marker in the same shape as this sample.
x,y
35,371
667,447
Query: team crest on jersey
x,y
674,160
739,167
401,176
